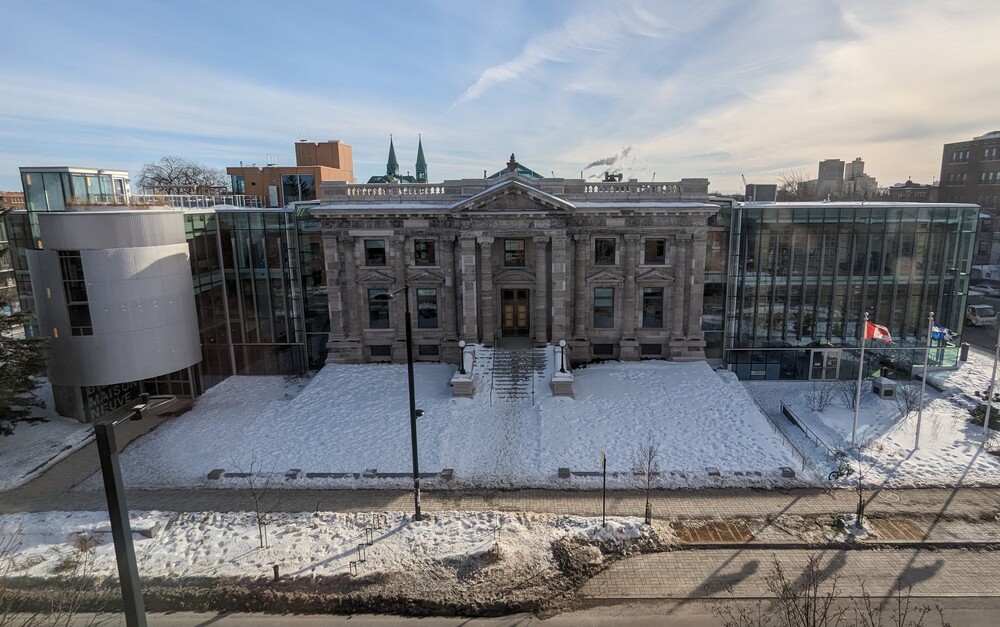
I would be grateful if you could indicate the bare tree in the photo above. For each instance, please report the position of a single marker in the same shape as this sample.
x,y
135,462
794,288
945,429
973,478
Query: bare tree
x,y
176,175
866,458
820,396
907,397
812,600
848,391
18,609
646,469
258,485
795,185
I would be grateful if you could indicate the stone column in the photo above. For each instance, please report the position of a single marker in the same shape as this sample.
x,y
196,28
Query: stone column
x,y
560,284
488,327
397,262
540,322
467,276
697,285
335,299
629,345
629,297
352,327
679,296
581,298
448,298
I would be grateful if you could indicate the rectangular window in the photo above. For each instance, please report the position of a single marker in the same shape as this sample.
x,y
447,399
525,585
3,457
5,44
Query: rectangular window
x,y
427,350
381,350
423,252
604,252
427,308
656,251
75,291
603,350
604,307
375,252
984,247
652,307
513,252
296,187
378,308
236,180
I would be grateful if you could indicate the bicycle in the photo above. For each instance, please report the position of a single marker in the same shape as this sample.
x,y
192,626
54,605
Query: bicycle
x,y
841,472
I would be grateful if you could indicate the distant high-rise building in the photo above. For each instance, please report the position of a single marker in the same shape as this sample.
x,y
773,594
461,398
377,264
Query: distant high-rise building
x,y
830,181
970,172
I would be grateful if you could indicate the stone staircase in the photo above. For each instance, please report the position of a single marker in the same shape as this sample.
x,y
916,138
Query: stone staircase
x,y
517,374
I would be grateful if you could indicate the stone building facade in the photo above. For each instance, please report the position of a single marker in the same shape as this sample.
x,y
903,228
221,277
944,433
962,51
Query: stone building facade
x,y
616,269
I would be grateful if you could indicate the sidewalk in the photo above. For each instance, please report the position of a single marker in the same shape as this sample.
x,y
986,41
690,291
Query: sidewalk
x,y
741,573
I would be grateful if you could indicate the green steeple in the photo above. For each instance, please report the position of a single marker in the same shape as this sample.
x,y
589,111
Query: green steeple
x,y
421,162
392,168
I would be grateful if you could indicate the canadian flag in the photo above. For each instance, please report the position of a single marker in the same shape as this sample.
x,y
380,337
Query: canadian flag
x,y
877,332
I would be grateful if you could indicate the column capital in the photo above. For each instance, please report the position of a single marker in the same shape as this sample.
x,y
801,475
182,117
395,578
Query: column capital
x,y
581,237
485,239
541,239
682,237
448,242
632,237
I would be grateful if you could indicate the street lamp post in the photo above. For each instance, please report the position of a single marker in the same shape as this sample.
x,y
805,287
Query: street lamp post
x,y
121,530
414,412
413,408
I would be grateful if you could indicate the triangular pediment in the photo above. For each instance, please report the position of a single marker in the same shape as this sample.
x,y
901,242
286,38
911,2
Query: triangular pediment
x,y
424,276
512,196
655,274
375,276
606,276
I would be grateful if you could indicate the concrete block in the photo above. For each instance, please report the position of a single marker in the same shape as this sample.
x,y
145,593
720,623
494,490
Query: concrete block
x,y
448,474
216,474
293,473
564,473
713,472
787,472
370,473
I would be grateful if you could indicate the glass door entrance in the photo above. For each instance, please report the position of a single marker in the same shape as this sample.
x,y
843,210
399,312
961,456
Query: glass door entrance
x,y
514,313
824,364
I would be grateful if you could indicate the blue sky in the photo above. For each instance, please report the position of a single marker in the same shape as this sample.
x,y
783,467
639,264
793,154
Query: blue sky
x,y
713,88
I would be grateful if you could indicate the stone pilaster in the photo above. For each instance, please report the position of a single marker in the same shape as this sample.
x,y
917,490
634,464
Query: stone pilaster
x,y
448,298
629,346
344,348
679,295
697,287
397,259
560,284
333,261
581,298
540,324
469,296
486,297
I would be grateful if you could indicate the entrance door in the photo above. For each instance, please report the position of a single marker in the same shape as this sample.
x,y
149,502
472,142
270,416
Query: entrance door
x,y
514,309
824,364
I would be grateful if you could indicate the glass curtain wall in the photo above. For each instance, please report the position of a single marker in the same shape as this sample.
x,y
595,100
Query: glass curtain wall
x,y
315,307
806,275
206,272
263,291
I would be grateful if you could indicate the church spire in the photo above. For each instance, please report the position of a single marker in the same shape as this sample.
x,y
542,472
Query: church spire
x,y
392,167
421,162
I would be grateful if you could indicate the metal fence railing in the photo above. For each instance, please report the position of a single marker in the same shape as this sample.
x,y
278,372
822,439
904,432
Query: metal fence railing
x,y
786,411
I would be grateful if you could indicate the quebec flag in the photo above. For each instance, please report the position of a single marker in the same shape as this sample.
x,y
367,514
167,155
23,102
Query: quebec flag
x,y
938,332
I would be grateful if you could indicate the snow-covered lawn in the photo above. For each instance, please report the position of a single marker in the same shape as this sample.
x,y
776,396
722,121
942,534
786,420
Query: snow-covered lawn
x,y
351,418
949,452
211,544
35,446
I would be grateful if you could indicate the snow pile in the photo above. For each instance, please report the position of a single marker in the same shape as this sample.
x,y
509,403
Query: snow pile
x,y
214,544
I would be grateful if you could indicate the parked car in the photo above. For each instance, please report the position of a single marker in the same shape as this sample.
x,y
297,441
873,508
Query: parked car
x,y
980,315
987,290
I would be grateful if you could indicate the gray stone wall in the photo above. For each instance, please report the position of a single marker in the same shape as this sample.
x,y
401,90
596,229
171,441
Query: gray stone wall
x,y
559,271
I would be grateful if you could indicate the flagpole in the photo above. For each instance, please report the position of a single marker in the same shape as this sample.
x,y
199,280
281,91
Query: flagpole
x,y
861,374
989,393
923,379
